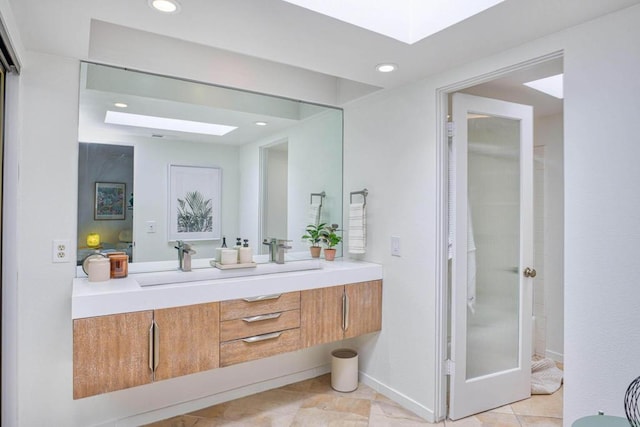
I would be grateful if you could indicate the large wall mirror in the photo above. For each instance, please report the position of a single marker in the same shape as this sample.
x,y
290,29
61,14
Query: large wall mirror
x,y
260,165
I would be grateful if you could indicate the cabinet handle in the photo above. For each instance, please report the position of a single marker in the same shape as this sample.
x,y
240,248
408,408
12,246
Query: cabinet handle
x,y
156,346
264,337
261,317
262,298
151,340
345,311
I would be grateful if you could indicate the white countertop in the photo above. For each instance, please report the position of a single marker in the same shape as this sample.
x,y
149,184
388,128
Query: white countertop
x,y
126,295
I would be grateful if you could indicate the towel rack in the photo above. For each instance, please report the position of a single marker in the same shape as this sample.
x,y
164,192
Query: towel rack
x,y
363,193
321,195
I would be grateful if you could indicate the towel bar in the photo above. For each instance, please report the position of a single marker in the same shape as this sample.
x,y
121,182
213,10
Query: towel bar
x,y
363,193
321,195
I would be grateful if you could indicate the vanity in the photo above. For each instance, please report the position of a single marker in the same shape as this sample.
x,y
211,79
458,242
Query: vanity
x,y
127,335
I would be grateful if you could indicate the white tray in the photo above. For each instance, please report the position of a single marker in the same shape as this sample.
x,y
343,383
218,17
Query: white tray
x,y
232,266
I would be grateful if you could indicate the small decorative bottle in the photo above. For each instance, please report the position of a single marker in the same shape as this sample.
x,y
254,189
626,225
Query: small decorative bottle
x,y
245,253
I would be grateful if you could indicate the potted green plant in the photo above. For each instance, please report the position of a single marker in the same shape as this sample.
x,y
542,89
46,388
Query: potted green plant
x,y
315,235
330,239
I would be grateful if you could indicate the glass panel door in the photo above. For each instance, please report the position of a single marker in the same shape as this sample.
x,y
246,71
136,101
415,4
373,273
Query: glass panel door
x,y
492,221
493,244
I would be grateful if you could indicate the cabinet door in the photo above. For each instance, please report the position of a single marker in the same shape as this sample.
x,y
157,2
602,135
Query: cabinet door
x,y
111,353
321,315
365,308
188,339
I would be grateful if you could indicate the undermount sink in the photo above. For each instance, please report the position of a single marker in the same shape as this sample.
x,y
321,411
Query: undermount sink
x,y
212,273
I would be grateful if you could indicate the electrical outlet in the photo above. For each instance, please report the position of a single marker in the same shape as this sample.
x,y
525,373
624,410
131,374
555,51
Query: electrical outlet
x,y
61,250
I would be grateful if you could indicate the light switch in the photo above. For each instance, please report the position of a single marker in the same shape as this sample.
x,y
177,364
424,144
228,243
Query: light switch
x,y
150,226
395,246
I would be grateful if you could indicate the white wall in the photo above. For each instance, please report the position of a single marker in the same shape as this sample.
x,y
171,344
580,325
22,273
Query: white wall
x,y
390,148
602,213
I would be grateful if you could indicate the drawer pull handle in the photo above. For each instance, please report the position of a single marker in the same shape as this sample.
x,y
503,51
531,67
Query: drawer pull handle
x,y
262,298
261,317
264,337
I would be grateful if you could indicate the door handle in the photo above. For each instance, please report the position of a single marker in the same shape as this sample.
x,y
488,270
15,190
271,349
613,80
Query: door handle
x,y
530,272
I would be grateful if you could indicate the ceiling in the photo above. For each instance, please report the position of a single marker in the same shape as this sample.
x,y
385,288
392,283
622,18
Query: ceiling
x,y
284,33
279,31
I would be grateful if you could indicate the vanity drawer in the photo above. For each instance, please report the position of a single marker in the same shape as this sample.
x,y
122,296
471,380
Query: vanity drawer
x,y
259,324
259,346
254,306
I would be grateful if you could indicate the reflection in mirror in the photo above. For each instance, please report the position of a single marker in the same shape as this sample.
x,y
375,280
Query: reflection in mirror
x,y
274,160
267,172
105,211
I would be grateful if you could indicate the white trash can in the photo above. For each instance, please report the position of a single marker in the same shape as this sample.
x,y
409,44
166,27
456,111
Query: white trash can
x,y
344,370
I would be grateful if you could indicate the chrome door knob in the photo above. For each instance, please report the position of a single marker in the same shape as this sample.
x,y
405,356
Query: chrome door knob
x,y
530,272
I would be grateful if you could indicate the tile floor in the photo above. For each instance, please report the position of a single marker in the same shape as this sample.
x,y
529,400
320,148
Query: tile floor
x,y
314,403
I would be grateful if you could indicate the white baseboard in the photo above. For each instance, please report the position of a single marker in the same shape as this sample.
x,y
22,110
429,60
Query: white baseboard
x,y
404,401
204,402
556,357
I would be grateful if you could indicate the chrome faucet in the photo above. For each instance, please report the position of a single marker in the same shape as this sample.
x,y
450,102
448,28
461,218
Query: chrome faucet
x,y
276,249
184,255
281,245
272,243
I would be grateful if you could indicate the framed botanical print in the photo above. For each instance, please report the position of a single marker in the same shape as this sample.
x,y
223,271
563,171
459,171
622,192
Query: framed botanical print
x,y
194,203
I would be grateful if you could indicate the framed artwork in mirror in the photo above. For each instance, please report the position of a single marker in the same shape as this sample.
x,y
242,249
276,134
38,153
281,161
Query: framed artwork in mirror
x,y
194,202
109,200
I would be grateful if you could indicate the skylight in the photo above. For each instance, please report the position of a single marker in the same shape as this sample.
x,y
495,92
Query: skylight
x,y
406,20
152,122
550,85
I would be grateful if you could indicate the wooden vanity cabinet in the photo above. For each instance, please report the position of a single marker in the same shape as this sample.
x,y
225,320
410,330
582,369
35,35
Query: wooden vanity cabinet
x,y
119,351
257,327
339,312
111,353
364,311
188,340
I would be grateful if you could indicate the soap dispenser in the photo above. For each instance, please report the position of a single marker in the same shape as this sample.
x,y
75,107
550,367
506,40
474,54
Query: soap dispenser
x,y
238,246
245,253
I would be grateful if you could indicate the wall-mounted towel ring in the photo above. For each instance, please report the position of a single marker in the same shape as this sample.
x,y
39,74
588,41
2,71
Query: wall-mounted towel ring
x,y
363,193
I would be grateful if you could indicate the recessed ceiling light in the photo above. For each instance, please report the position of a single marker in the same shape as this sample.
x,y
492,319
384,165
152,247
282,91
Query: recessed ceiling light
x,y
152,122
165,6
261,123
120,105
386,68
550,85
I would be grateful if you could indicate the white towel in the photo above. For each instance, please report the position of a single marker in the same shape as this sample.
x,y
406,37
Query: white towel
x,y
314,214
357,228
471,263
471,244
